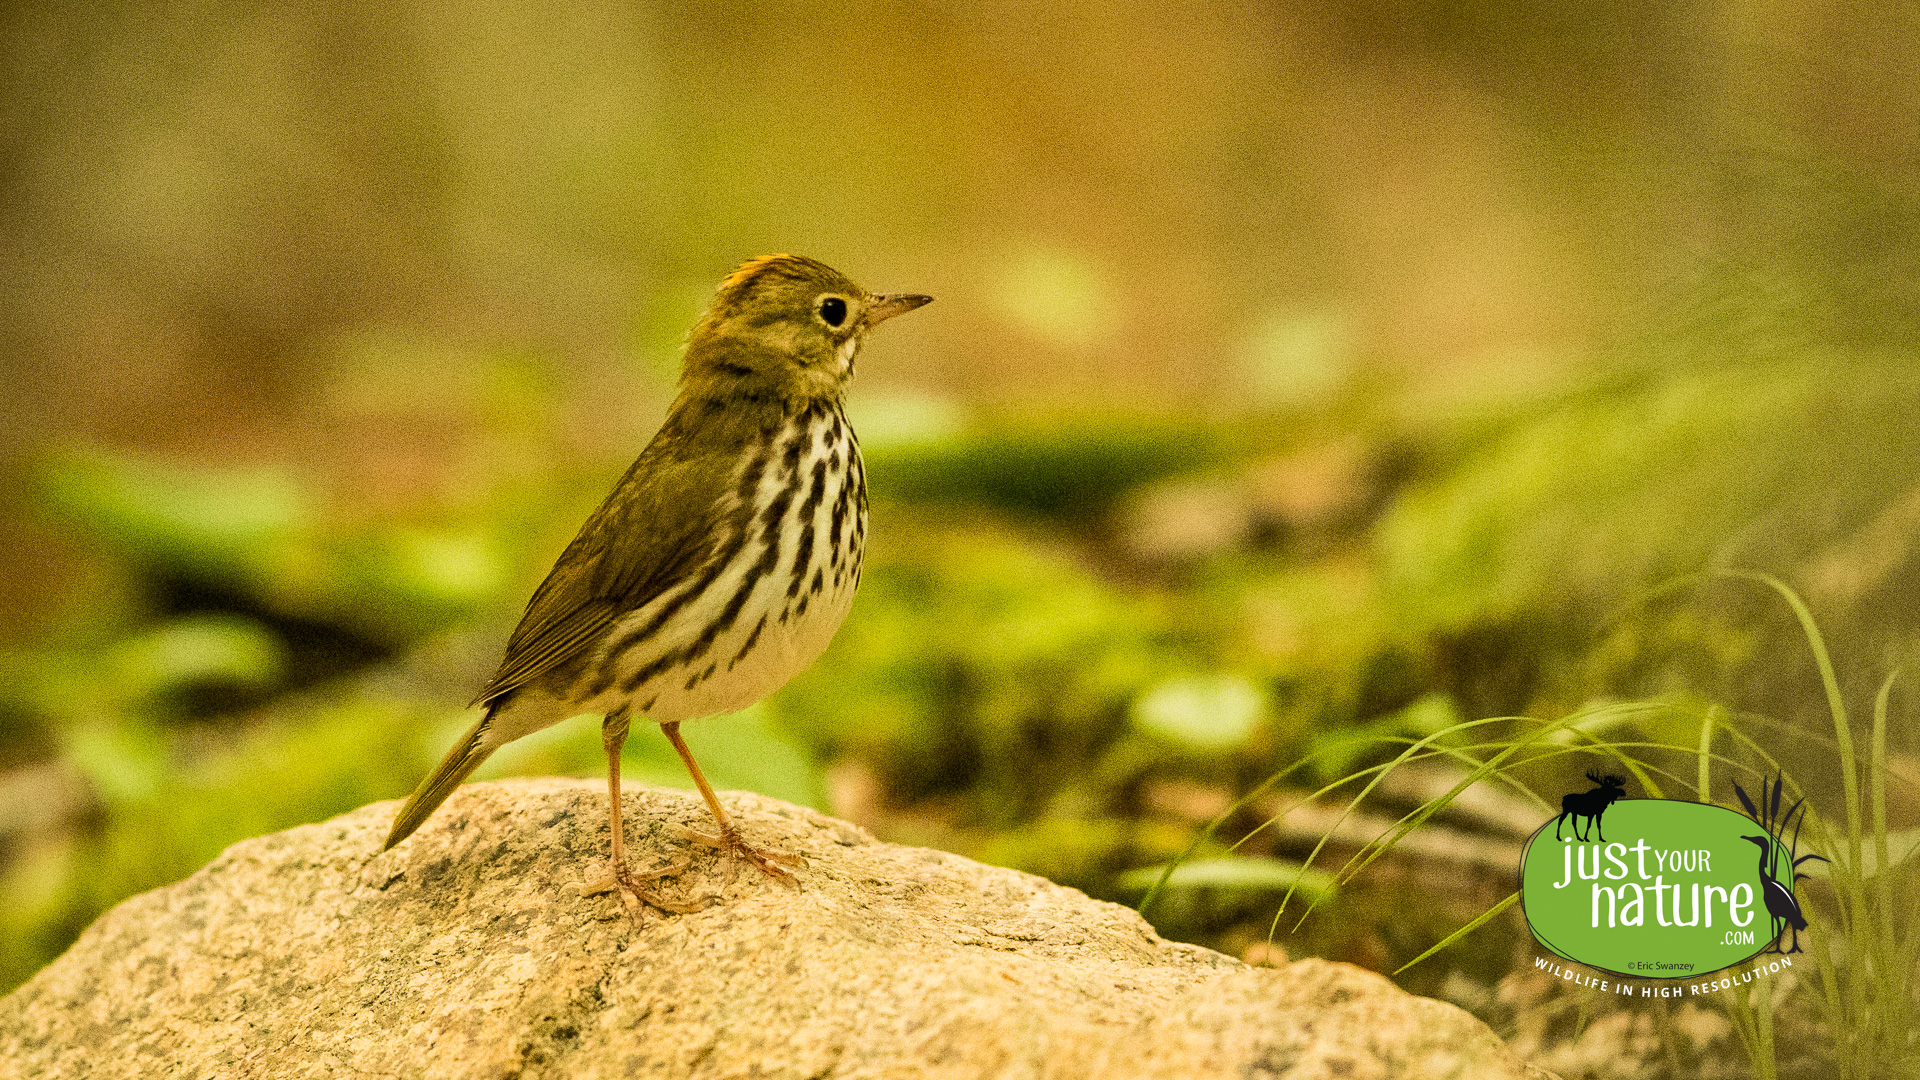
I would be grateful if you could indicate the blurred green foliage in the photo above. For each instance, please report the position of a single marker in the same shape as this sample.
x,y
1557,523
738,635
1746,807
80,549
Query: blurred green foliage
x,y
1626,485
256,539
979,663
1015,681
1059,465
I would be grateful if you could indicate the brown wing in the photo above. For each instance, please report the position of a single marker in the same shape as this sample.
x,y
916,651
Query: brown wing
x,y
659,524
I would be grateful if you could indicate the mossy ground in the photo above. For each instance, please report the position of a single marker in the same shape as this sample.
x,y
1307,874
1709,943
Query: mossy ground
x,y
1042,670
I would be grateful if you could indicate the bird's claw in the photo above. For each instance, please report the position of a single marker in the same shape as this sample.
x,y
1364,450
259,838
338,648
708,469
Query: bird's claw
x,y
637,892
768,861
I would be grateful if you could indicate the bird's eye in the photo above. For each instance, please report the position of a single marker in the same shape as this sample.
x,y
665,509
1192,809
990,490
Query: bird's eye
x,y
834,310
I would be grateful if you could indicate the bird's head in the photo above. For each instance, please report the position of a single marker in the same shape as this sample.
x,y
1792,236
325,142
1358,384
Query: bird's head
x,y
786,325
1766,844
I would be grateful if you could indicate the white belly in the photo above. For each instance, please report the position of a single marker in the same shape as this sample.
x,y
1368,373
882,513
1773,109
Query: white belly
x,y
753,659
776,602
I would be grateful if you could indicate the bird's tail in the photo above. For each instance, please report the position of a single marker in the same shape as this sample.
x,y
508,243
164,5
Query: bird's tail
x,y
466,756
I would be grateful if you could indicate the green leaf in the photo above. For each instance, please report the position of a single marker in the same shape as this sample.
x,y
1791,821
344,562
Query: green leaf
x,y
1206,712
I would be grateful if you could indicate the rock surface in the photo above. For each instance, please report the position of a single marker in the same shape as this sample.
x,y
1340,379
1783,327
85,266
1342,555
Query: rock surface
x,y
471,951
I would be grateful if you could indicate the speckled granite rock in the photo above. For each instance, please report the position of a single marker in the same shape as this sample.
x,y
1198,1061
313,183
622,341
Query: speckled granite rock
x,y
470,951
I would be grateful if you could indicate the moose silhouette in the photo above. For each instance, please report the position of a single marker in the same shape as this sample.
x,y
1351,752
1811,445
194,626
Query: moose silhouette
x,y
1590,804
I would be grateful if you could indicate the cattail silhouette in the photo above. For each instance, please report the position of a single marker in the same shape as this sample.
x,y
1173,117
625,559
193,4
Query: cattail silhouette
x,y
1778,897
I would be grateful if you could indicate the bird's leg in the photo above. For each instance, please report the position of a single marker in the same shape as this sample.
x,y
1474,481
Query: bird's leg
x,y
634,888
769,862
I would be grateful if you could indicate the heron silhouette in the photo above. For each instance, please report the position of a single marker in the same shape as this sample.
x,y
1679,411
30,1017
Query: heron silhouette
x,y
1779,899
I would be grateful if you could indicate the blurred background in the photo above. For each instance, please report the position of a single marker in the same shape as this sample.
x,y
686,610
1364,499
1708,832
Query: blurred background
x,y
1305,375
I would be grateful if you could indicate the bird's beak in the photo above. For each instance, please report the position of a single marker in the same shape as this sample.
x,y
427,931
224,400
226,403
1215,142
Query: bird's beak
x,y
886,307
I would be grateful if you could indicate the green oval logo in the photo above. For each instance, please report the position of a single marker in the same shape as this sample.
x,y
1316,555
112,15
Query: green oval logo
x,y
1655,888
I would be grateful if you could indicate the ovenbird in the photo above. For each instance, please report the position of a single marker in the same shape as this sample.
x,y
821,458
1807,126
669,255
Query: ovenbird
x,y
723,561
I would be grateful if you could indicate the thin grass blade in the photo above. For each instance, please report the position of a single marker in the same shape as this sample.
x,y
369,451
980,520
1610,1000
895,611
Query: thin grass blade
x,y
1480,920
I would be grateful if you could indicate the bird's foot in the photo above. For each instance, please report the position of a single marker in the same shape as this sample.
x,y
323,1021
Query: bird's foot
x,y
730,843
636,889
